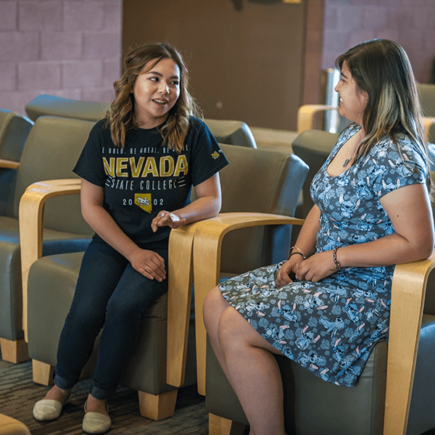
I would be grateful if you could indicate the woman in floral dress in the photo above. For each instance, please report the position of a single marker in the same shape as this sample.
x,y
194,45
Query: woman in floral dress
x,y
328,305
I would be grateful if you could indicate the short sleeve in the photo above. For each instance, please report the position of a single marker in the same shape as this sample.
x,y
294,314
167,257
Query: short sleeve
x,y
391,169
90,163
207,156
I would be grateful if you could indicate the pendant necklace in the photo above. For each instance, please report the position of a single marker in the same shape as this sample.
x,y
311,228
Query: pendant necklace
x,y
346,162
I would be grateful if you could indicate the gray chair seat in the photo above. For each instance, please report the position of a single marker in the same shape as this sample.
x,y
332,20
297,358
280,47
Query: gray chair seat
x,y
52,282
315,407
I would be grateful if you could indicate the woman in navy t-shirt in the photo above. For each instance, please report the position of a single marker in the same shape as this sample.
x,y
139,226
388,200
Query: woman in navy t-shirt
x,y
137,170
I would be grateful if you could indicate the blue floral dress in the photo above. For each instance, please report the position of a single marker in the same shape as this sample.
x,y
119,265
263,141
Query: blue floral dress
x,y
330,327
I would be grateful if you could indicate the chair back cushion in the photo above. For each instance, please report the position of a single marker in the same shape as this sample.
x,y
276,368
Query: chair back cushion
x,y
14,129
49,105
262,181
313,147
231,132
51,152
426,93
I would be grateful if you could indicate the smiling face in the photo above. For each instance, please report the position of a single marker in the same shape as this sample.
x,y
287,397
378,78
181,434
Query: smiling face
x,y
353,100
155,92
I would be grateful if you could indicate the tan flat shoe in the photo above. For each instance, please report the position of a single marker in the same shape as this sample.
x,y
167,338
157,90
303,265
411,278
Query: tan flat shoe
x,y
48,409
94,422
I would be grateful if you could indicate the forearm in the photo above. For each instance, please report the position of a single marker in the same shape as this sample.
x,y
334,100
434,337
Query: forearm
x,y
306,241
104,225
391,249
202,208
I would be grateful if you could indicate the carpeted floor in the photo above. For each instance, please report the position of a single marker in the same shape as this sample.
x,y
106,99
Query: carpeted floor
x,y
18,394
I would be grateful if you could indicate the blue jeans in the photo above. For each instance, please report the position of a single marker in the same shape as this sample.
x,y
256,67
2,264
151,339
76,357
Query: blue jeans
x,y
112,294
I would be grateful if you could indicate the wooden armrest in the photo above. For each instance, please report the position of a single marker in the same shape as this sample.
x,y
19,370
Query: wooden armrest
x,y
428,122
179,301
181,242
306,115
31,221
407,302
206,260
9,164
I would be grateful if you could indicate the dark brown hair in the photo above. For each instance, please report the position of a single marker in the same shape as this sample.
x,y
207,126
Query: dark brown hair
x,y
121,115
382,69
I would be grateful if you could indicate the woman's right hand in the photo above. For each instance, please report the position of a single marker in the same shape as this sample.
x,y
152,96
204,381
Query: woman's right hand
x,y
290,267
149,264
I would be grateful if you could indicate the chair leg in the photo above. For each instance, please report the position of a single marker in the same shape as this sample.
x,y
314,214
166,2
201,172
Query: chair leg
x,y
14,351
222,426
42,373
157,407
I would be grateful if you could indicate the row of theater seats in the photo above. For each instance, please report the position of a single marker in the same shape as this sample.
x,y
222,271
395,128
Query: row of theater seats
x,y
51,151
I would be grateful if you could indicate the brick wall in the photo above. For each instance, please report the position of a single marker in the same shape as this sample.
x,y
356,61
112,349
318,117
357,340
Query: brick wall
x,y
67,48
411,23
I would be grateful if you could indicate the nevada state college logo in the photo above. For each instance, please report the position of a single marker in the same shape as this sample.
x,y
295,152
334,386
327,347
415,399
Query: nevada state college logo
x,y
143,200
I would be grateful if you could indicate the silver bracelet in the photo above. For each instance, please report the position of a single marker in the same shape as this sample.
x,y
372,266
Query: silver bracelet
x,y
334,259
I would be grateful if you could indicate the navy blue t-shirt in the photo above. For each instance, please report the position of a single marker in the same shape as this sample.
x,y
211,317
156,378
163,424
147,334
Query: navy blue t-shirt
x,y
146,176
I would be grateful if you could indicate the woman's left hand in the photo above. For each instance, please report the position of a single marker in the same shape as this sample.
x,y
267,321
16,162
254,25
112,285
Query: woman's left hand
x,y
167,219
316,267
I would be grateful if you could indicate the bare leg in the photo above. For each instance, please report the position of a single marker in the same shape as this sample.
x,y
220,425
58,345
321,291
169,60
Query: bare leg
x,y
213,308
253,373
96,405
58,394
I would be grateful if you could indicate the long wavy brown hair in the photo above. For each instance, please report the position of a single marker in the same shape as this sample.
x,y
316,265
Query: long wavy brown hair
x,y
382,69
121,114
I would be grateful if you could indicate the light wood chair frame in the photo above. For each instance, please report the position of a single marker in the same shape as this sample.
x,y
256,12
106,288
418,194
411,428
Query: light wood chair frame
x,y
9,164
31,221
407,302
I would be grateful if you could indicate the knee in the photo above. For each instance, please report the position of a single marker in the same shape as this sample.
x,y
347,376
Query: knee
x,y
124,310
87,320
228,335
213,298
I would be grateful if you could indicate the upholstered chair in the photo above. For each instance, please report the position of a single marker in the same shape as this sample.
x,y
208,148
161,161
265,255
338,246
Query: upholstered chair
x,y
394,375
165,356
50,152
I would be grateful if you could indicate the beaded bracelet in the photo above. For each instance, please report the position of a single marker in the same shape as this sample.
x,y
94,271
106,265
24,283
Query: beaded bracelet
x,y
290,253
334,259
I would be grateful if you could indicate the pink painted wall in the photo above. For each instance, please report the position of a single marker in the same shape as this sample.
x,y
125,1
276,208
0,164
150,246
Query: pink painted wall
x,y
68,48
411,23
71,48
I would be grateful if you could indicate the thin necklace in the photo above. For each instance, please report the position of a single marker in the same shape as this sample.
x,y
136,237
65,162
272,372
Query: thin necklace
x,y
350,158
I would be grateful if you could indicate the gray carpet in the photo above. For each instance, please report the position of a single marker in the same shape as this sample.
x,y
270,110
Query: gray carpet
x,y
18,394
